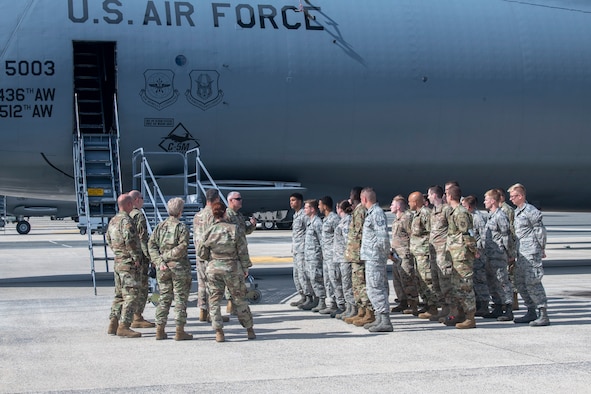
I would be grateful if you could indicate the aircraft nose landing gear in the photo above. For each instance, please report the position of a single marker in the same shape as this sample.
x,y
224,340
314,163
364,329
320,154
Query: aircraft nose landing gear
x,y
23,227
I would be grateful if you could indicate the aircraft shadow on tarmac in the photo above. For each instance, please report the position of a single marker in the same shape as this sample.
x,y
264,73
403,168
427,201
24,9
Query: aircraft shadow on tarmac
x,y
70,281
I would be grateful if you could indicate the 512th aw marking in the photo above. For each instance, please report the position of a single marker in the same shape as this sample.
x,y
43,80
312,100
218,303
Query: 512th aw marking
x,y
16,110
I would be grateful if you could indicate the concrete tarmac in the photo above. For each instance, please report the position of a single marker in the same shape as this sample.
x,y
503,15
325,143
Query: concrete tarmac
x,y
53,332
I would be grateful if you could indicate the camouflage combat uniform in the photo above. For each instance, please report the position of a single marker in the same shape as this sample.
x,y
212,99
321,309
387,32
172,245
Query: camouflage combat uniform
x,y
441,266
331,269
375,247
531,243
481,283
510,212
229,261
300,275
142,231
461,247
352,255
125,244
239,220
169,244
313,255
244,227
498,250
419,251
401,229
340,243
201,222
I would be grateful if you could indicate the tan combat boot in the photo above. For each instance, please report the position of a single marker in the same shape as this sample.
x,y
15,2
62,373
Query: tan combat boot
x,y
431,311
470,322
113,323
140,322
360,314
181,335
219,335
369,317
515,302
203,314
250,333
124,331
160,333
230,307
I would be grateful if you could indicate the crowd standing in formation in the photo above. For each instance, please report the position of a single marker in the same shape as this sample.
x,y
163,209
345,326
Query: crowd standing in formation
x,y
222,265
445,252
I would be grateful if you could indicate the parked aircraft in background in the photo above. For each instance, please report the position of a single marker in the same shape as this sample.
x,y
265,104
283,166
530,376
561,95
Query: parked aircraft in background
x,y
396,94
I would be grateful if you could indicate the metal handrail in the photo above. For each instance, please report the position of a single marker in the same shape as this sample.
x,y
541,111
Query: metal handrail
x,y
199,166
79,154
116,110
145,169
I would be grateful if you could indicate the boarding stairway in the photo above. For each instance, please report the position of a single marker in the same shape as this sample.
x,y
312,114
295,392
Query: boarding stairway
x,y
95,152
187,186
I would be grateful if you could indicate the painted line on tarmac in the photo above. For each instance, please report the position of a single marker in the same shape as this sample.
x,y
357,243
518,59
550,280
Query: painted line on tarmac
x,y
64,245
289,297
270,259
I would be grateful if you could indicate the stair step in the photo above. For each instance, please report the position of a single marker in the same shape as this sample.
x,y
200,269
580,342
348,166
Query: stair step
x,y
85,77
91,126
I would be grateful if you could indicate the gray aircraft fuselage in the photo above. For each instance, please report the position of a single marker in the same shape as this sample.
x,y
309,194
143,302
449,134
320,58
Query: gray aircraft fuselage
x,y
394,94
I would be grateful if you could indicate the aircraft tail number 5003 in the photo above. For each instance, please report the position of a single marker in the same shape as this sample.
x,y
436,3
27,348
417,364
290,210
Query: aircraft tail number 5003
x,y
25,68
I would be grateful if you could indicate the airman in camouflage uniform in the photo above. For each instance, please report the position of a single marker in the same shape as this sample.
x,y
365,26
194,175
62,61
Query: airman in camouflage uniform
x,y
375,247
331,269
403,265
498,249
531,245
440,265
228,265
510,212
419,249
479,278
344,210
313,255
462,250
298,231
236,217
365,313
201,222
125,244
142,230
169,244
245,227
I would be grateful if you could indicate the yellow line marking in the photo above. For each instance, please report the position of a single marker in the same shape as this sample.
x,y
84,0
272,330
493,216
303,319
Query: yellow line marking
x,y
271,259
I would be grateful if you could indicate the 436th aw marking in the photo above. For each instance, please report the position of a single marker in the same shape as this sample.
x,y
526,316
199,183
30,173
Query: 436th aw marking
x,y
23,95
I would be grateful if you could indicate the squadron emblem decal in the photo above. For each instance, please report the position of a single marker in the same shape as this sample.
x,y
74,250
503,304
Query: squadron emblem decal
x,y
205,92
178,140
159,90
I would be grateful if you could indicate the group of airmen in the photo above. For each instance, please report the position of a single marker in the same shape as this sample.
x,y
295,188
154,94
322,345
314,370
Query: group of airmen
x,y
222,265
445,252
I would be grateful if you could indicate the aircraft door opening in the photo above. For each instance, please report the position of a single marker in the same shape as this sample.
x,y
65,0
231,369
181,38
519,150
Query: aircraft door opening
x,y
95,84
